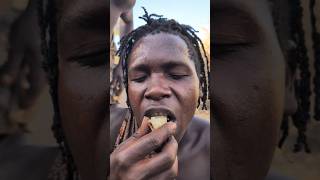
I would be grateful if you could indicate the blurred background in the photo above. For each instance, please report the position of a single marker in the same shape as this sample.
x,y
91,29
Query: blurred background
x,y
301,165
38,117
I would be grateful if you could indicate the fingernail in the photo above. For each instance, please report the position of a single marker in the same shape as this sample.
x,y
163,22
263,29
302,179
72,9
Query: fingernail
x,y
172,126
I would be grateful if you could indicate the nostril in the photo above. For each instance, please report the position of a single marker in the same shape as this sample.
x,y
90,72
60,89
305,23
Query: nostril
x,y
157,93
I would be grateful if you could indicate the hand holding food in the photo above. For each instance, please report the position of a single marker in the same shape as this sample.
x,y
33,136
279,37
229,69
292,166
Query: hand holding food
x,y
131,160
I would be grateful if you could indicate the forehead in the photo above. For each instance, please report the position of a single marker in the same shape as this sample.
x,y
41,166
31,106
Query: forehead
x,y
253,7
82,26
255,11
82,13
159,46
248,19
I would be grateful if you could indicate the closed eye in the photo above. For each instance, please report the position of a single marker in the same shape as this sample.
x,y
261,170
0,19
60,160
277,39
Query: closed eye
x,y
139,79
178,76
221,50
92,60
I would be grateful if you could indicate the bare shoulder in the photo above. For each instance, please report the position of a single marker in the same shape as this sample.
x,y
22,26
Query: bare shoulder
x,y
195,147
198,134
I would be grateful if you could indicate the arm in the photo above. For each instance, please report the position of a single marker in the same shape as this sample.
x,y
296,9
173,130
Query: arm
x,y
123,5
127,19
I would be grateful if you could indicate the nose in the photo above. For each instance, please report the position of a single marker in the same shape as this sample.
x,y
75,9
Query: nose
x,y
158,88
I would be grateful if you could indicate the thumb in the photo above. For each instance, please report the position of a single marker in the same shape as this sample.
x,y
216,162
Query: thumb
x,y
143,129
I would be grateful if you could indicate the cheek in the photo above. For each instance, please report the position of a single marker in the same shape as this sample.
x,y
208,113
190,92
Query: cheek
x,y
249,87
247,110
135,95
187,95
82,102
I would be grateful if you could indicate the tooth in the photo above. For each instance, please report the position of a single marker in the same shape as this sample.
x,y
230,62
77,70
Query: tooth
x,y
157,121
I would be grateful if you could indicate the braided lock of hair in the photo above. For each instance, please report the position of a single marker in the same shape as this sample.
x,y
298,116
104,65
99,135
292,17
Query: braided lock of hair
x,y
302,84
47,21
156,24
298,65
316,48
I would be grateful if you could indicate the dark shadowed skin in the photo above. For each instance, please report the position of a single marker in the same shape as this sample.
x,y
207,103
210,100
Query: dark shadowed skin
x,y
161,75
249,89
83,80
82,83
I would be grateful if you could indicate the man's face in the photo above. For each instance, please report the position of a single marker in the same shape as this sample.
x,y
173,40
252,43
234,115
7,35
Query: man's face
x,y
162,80
82,83
248,89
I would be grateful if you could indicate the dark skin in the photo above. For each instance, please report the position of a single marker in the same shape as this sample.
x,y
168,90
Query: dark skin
x,y
251,89
162,76
82,82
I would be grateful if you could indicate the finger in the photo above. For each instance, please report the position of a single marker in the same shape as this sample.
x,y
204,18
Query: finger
x,y
162,161
148,143
10,70
169,174
143,129
121,155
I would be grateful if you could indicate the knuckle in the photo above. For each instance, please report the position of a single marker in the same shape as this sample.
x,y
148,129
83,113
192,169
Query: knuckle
x,y
155,142
121,160
168,159
136,135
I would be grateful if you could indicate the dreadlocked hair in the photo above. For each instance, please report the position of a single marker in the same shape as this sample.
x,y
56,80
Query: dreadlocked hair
x,y
316,48
292,41
47,21
302,84
156,24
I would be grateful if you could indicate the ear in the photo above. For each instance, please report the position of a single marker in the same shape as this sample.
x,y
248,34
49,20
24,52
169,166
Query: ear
x,y
290,101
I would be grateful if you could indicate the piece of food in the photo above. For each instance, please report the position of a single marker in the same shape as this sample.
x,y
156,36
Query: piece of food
x,y
156,122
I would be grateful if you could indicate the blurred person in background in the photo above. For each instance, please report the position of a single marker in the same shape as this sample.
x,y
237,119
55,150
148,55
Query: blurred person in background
x,y
21,81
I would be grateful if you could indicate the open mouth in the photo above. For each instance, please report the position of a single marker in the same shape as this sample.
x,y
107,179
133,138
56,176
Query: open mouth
x,y
160,113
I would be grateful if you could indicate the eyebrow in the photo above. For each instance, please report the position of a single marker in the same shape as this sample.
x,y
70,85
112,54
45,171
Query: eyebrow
x,y
167,66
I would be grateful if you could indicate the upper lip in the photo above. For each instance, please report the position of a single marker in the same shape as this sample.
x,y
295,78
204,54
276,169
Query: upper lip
x,y
160,111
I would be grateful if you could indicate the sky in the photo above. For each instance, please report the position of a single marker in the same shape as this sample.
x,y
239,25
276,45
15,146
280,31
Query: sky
x,y
192,12
195,13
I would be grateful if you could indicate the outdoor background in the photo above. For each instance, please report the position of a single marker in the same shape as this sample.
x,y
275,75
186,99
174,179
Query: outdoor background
x,y
195,13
